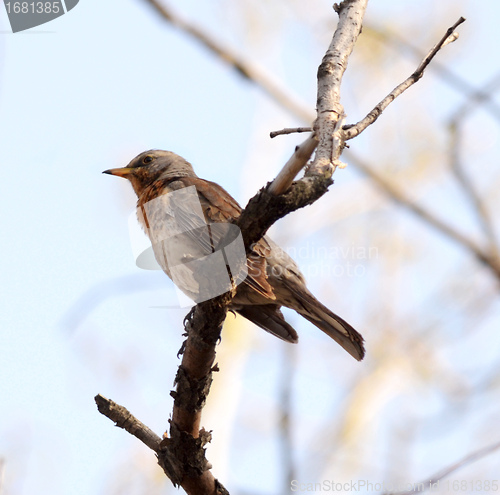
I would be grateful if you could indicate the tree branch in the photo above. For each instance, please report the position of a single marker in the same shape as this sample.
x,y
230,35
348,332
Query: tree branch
x,y
352,131
289,130
124,419
472,94
171,462
328,124
266,208
297,162
186,442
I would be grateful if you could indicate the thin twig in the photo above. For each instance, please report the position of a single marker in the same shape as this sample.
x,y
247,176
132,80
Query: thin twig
x,y
289,130
293,166
124,419
430,482
472,94
356,129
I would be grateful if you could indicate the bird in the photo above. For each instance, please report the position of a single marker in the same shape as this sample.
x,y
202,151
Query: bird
x,y
186,226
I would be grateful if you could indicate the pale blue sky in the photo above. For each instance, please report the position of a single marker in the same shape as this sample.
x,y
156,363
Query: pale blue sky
x,y
88,92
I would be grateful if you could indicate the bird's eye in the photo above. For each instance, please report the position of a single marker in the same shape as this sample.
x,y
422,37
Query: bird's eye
x,y
147,159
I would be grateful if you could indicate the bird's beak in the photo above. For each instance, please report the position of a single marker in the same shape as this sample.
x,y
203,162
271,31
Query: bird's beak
x,y
120,172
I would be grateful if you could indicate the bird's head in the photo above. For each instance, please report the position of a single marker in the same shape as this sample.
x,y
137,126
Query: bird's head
x,y
152,165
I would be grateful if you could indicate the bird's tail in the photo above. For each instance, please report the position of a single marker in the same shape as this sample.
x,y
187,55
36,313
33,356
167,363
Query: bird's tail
x,y
334,326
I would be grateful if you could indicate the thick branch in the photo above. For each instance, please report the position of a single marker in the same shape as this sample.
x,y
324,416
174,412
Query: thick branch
x,y
265,208
330,72
194,377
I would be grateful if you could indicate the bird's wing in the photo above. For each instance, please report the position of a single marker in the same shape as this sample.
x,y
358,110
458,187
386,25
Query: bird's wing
x,y
219,206
204,221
